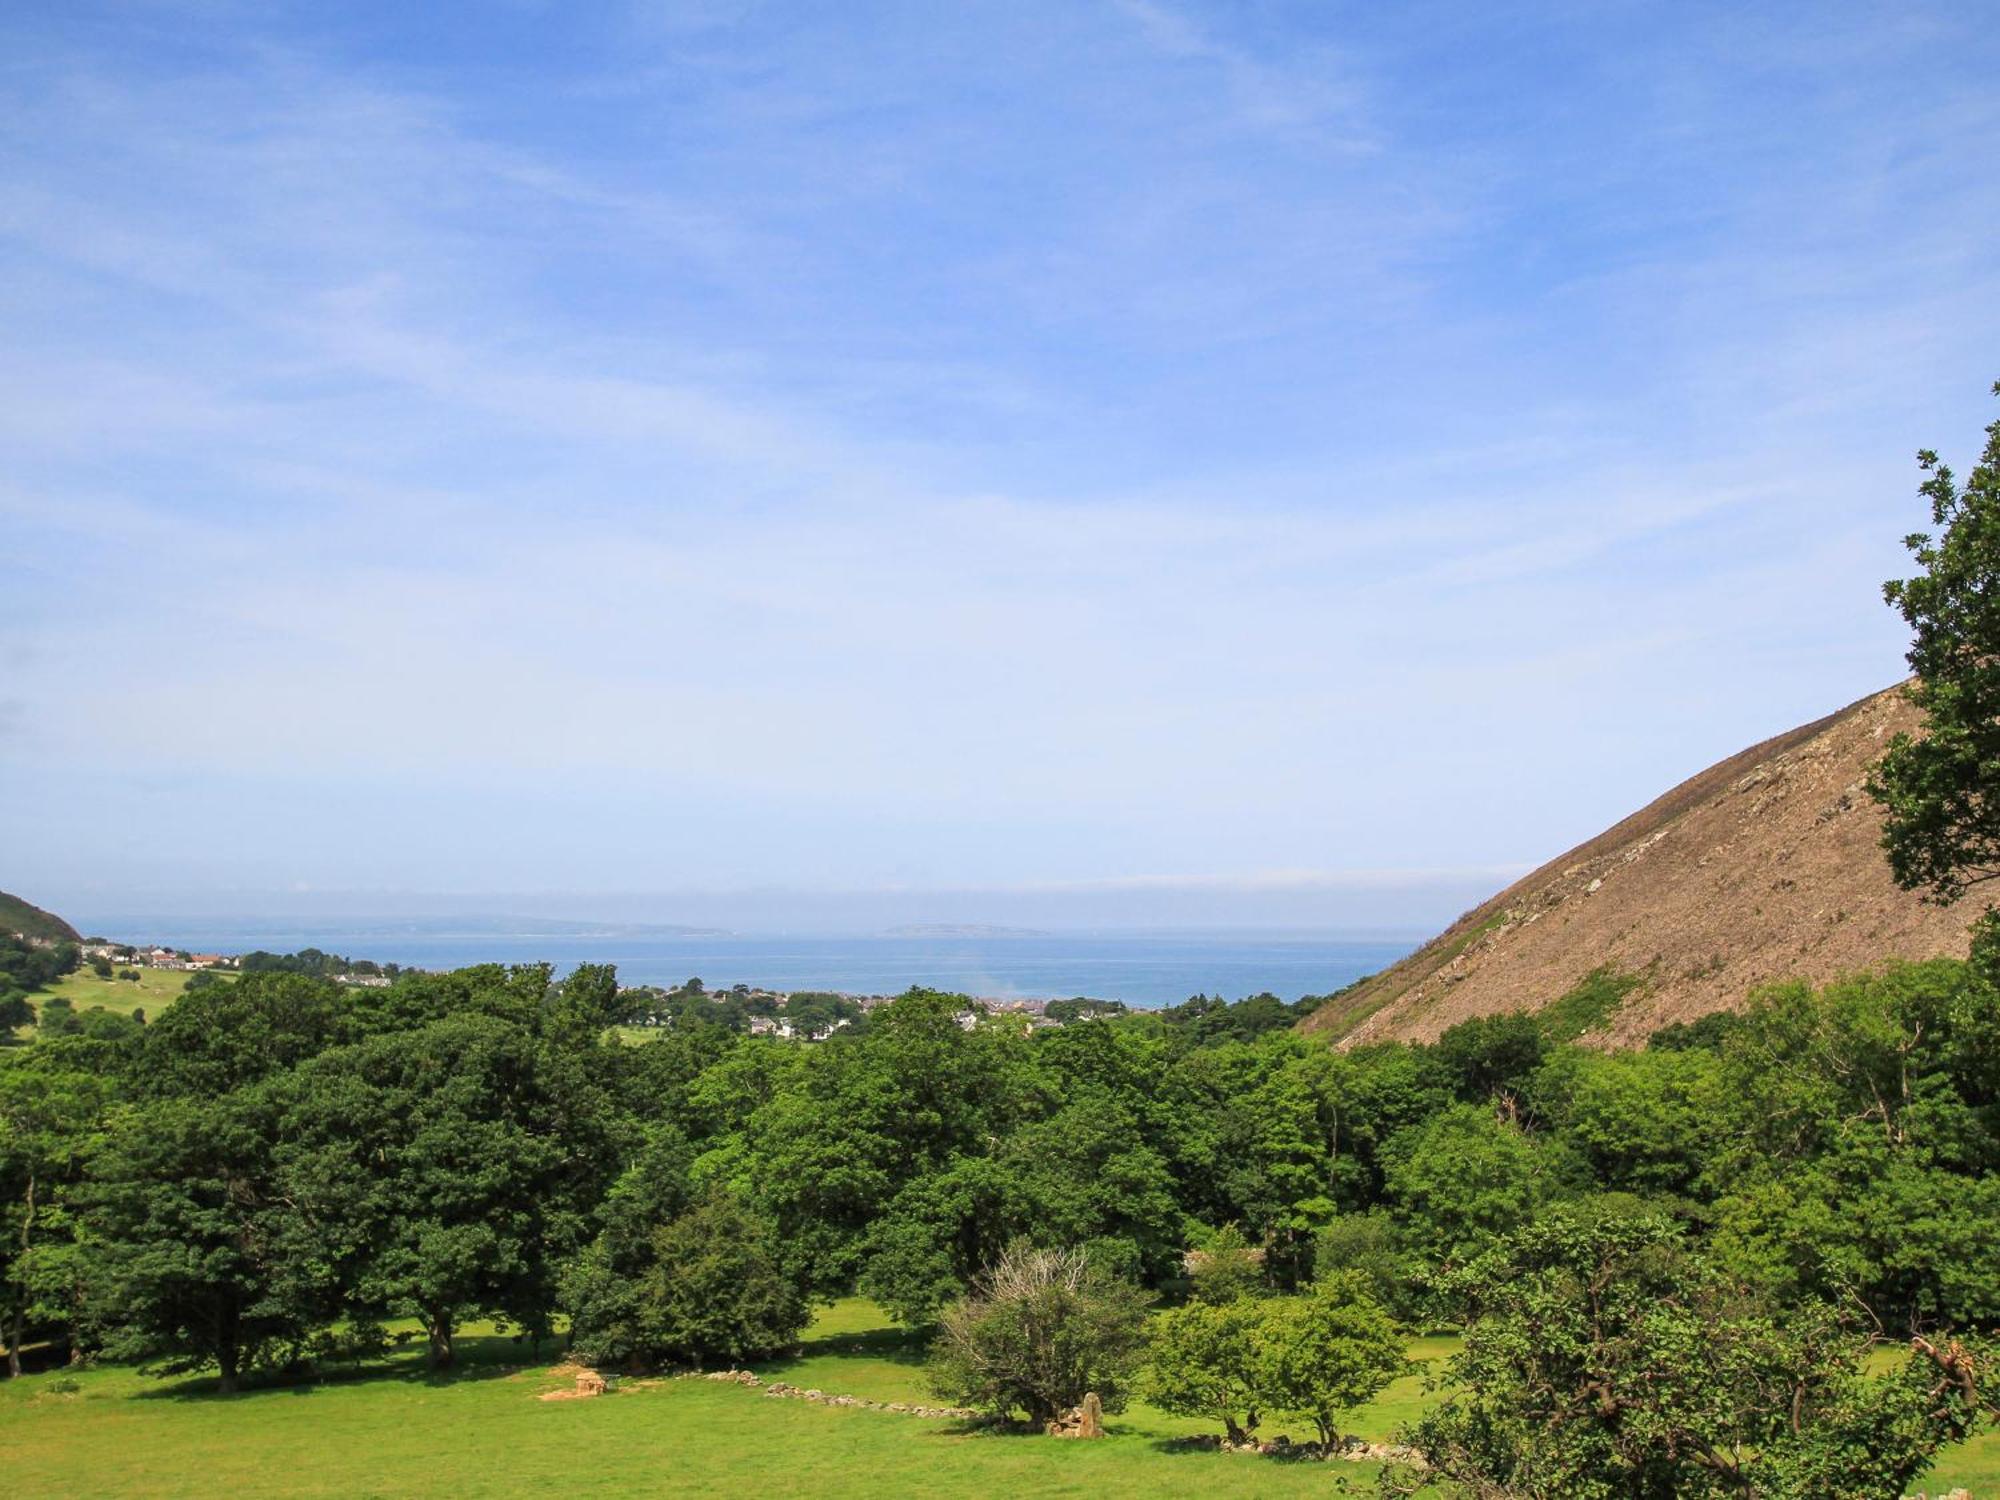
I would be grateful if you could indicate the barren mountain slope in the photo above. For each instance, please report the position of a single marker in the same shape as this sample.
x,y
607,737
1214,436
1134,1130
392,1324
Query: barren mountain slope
x,y
1764,867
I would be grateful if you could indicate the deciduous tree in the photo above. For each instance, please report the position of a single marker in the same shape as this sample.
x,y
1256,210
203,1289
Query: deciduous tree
x,y
1212,1360
1329,1351
1940,791
703,1288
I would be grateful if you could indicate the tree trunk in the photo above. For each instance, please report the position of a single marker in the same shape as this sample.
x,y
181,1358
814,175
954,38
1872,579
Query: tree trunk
x,y
228,1352
440,1334
20,1306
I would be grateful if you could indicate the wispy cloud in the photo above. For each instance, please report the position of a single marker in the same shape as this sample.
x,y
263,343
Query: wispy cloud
x,y
1315,95
1005,453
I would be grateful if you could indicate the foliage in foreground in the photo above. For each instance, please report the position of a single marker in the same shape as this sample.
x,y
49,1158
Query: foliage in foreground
x,y
1606,1359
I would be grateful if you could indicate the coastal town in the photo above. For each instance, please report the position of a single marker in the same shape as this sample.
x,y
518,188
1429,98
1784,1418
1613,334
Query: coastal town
x,y
105,955
802,1015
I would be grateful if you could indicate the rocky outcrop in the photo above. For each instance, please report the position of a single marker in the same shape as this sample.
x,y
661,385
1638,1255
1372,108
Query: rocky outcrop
x,y
1084,1420
588,1383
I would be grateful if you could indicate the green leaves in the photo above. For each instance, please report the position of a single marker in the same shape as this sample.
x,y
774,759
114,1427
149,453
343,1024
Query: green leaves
x,y
225,1036
1312,1358
437,1154
703,1287
189,1219
1329,1350
1464,1177
1606,1358
1214,1360
1941,826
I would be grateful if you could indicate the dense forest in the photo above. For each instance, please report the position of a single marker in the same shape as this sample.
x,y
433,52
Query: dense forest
x,y
274,1170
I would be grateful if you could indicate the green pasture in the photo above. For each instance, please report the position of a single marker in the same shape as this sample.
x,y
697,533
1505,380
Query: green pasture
x,y
154,990
855,1350
392,1429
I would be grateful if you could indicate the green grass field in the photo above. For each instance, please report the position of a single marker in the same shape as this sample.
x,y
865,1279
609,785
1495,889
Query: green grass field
x,y
154,990
394,1430
855,1350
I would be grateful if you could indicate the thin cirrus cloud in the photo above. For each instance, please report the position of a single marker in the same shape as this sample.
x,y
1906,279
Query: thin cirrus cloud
x,y
1011,450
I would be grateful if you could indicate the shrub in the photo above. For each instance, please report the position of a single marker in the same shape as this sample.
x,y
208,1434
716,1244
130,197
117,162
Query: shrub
x,y
1040,1330
59,1018
1597,998
1328,1352
1313,1358
1211,1359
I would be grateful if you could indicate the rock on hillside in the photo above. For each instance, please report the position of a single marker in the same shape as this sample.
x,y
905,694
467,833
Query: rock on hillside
x,y
24,920
1764,867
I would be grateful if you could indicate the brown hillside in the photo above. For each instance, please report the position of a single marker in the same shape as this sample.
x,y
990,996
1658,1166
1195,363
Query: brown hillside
x,y
1766,866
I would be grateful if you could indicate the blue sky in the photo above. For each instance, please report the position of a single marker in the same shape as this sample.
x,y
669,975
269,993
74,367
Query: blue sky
x,y
1121,462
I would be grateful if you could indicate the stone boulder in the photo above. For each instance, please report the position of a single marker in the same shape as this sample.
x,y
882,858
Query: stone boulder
x,y
1082,1421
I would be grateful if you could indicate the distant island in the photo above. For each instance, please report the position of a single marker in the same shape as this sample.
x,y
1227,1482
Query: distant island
x,y
960,930
559,927
268,929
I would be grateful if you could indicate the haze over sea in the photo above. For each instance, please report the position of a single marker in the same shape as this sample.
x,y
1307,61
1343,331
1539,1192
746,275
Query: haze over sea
x,y
1142,969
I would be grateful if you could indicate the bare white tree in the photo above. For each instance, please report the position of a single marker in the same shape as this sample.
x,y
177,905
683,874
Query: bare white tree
x,y
1040,1330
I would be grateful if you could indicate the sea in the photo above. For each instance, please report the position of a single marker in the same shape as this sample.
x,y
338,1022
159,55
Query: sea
x,y
1141,969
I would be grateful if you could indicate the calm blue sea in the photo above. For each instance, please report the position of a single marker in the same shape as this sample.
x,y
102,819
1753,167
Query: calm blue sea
x,y
1140,969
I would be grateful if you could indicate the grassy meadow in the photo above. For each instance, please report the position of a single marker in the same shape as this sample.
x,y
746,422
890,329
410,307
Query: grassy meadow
x,y
153,991
393,1429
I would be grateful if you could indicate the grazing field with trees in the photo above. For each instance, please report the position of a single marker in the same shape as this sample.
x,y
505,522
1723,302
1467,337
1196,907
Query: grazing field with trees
x,y
125,989
398,1429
